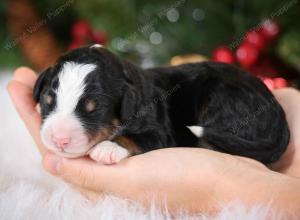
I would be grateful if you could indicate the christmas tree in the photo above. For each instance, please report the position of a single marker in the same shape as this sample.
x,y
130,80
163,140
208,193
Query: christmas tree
x,y
152,32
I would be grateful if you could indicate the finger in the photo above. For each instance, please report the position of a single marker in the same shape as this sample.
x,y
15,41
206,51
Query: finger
x,y
21,96
290,101
288,98
26,76
85,173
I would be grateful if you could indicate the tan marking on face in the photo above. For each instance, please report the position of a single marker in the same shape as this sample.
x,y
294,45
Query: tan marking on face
x,y
90,105
48,99
108,132
105,133
102,135
115,122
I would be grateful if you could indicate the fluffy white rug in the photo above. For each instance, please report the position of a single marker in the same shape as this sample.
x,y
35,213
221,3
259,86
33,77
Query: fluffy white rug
x,y
27,192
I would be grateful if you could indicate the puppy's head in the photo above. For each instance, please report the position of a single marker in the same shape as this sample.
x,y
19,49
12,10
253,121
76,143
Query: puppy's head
x,y
79,98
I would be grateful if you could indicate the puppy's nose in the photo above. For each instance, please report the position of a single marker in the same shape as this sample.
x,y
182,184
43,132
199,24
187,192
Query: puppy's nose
x,y
61,142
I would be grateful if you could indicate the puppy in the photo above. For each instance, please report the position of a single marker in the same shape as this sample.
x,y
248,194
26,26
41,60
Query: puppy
x,y
93,103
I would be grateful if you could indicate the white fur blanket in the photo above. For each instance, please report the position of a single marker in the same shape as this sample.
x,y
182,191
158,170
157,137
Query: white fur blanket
x,y
27,192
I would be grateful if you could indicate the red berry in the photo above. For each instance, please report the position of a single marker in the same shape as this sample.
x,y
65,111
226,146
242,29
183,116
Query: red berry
x,y
270,29
256,39
81,30
269,83
247,54
280,83
99,37
224,55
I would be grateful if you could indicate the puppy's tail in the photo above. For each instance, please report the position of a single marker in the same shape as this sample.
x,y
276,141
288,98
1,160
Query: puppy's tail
x,y
265,151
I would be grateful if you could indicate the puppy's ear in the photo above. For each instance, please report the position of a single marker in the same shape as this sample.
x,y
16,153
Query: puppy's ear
x,y
132,101
129,106
38,87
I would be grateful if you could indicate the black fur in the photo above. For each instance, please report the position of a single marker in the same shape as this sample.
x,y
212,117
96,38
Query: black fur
x,y
239,114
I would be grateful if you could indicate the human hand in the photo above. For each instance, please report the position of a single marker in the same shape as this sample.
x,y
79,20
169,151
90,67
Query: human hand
x,y
290,101
191,178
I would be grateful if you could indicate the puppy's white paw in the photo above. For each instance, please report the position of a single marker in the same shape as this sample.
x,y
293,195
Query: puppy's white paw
x,y
108,152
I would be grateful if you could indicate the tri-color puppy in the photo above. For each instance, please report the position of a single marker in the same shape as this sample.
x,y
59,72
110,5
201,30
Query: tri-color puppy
x,y
94,103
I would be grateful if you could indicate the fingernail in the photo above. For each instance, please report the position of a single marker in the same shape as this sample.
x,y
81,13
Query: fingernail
x,y
52,163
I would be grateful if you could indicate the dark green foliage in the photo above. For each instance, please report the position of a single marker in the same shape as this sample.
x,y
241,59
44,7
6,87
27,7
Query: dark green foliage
x,y
133,21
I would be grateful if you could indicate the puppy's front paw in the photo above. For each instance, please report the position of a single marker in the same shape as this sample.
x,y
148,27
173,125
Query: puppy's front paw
x,y
108,152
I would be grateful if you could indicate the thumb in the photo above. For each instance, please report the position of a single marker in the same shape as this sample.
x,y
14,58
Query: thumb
x,y
84,173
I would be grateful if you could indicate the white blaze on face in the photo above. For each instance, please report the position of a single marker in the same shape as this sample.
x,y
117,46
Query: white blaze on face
x,y
62,125
71,85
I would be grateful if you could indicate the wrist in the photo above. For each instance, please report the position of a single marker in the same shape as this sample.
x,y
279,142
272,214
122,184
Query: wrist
x,y
261,187
287,194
